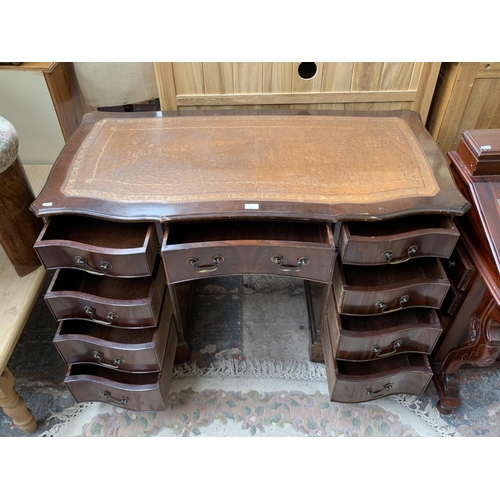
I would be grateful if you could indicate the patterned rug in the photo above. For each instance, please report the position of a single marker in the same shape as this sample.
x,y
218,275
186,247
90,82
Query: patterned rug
x,y
254,398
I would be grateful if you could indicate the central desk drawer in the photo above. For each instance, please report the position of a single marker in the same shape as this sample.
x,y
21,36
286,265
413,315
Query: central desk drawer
x,y
98,246
124,302
197,250
124,349
397,240
385,289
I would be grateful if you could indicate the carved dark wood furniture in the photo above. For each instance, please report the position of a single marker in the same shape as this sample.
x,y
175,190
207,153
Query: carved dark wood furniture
x,y
359,206
471,316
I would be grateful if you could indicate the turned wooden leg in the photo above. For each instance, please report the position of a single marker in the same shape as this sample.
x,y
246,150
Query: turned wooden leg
x,y
481,348
14,406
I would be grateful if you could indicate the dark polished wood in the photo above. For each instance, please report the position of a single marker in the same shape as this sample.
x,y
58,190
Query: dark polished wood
x,y
98,246
124,349
131,302
19,228
397,240
354,382
133,391
356,338
271,161
264,192
471,334
380,290
194,251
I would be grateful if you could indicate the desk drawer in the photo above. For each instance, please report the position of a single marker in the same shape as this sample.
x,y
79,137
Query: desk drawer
x,y
133,391
98,246
125,303
397,240
363,338
124,349
459,268
193,251
385,289
351,382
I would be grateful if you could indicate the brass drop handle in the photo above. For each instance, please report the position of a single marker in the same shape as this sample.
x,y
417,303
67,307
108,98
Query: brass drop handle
x,y
104,362
110,399
301,261
389,256
383,305
373,394
90,311
105,266
378,351
206,268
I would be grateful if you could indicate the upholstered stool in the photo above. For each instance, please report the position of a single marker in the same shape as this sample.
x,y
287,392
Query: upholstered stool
x,y
19,228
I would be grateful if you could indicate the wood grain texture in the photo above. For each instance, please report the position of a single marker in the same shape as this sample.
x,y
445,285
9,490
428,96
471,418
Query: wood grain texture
x,y
67,97
166,85
424,182
405,85
138,350
98,246
17,295
135,302
134,391
18,225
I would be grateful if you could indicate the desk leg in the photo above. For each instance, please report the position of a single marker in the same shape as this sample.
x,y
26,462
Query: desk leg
x,y
14,406
481,348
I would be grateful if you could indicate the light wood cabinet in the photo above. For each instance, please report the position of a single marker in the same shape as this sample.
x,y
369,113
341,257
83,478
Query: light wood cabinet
x,y
467,97
288,85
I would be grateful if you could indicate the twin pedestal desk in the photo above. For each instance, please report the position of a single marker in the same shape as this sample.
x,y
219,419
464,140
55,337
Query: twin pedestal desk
x,y
138,206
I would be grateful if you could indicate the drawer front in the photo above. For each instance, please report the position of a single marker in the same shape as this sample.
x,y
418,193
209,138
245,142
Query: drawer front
x,y
304,262
459,268
354,382
133,391
115,302
133,254
397,241
375,337
125,349
376,290
347,389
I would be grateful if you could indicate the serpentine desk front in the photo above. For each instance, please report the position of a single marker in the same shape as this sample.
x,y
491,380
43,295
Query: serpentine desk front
x,y
139,206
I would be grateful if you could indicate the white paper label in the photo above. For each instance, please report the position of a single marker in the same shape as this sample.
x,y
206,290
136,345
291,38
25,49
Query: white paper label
x,y
251,206
47,204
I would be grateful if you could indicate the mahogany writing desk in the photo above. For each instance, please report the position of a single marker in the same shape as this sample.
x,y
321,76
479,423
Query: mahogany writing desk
x,y
359,206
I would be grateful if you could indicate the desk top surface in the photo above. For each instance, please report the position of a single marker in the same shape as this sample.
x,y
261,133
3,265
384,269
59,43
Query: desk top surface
x,y
324,166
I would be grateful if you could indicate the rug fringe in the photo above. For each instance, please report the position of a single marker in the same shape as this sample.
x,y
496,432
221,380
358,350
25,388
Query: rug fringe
x,y
255,368
430,415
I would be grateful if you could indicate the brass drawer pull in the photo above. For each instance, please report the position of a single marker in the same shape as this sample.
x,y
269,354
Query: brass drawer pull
x,y
105,266
110,399
301,261
206,268
90,311
378,351
370,392
104,362
389,256
383,305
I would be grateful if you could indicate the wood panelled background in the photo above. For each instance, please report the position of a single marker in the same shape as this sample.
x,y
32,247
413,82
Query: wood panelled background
x,y
342,86
467,98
